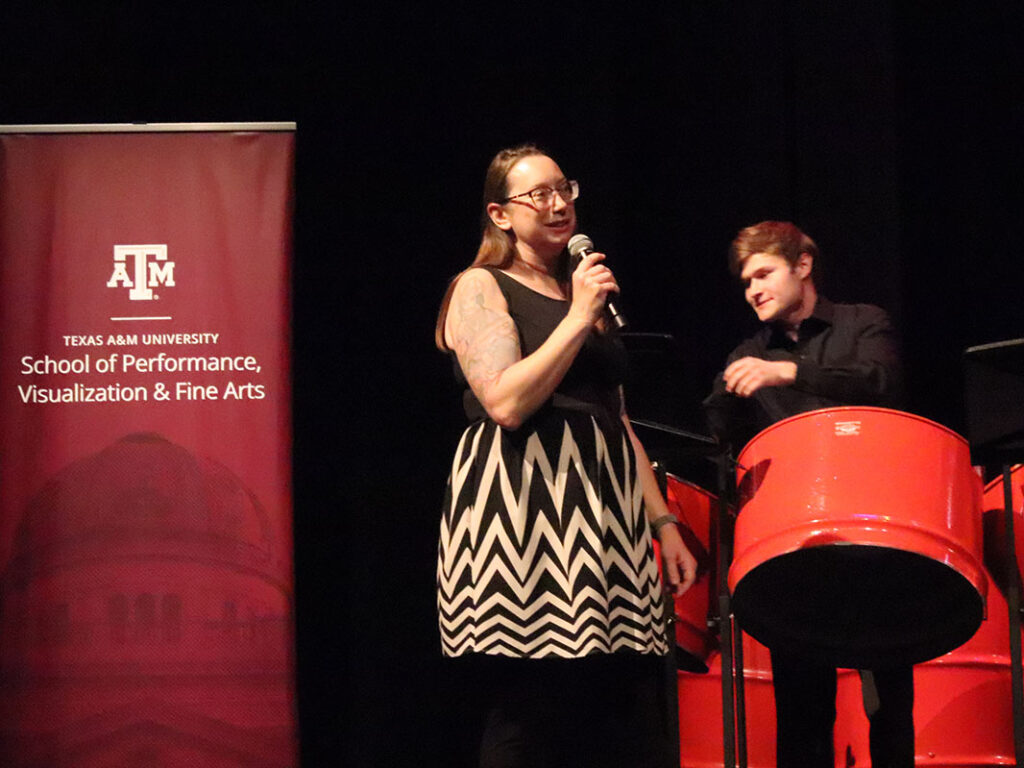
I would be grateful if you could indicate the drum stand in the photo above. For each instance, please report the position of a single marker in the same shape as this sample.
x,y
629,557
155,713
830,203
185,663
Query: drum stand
x,y
994,400
730,635
1013,606
734,730
734,726
671,703
721,538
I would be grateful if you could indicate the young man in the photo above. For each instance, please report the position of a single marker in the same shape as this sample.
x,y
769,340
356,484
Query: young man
x,y
810,354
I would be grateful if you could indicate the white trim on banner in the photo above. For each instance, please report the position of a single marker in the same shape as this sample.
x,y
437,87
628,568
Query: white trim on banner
x,y
146,127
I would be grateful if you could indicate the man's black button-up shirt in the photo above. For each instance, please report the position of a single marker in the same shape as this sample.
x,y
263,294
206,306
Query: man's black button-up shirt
x,y
845,354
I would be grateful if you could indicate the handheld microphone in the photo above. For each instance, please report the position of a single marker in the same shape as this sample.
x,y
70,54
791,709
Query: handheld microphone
x,y
579,246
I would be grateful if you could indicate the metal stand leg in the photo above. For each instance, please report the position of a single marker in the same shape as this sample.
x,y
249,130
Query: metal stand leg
x,y
740,685
671,686
727,644
671,690
1013,603
728,690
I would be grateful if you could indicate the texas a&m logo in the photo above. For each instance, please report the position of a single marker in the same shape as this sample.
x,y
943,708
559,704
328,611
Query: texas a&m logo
x,y
150,266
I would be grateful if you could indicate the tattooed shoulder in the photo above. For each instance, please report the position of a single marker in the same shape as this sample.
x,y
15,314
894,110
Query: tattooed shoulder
x,y
485,336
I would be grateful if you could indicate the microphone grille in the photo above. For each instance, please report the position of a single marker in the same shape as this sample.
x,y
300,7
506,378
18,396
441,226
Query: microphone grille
x,y
578,244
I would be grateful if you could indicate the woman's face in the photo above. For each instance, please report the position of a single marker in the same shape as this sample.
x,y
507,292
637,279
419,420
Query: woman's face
x,y
541,230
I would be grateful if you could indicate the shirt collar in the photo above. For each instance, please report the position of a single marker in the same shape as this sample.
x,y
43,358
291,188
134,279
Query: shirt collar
x,y
824,310
823,315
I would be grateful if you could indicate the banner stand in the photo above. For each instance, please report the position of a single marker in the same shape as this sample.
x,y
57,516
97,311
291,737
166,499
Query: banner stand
x,y
146,577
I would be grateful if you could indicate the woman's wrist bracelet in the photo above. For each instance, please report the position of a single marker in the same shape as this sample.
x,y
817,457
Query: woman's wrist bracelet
x,y
658,523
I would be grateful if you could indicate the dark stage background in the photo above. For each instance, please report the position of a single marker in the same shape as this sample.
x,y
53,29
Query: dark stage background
x,y
890,131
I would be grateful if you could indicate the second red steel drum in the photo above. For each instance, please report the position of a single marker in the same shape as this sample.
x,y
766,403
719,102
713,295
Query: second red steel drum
x,y
963,711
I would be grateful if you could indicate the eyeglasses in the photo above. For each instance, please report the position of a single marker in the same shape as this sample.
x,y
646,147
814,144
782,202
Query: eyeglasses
x,y
544,196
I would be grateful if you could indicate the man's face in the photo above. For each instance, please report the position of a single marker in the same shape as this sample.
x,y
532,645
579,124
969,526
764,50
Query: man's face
x,y
772,287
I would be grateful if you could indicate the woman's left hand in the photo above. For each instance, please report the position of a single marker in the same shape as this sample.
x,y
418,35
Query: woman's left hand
x,y
680,567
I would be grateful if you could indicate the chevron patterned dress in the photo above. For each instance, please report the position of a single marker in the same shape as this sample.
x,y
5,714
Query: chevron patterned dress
x,y
544,548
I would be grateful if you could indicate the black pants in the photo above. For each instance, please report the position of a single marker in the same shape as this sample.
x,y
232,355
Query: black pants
x,y
602,711
805,710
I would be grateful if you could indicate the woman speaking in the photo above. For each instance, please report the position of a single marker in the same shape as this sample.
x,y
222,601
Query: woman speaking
x,y
546,574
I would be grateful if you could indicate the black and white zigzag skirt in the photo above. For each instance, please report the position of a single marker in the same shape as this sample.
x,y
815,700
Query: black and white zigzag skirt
x,y
544,548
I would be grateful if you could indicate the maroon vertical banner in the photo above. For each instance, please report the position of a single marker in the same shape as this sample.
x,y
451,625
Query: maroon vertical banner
x,y
145,447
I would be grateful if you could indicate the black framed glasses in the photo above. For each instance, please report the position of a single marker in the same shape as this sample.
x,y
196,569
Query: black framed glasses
x,y
544,196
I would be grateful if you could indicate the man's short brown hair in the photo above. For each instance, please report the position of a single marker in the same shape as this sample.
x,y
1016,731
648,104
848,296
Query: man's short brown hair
x,y
780,238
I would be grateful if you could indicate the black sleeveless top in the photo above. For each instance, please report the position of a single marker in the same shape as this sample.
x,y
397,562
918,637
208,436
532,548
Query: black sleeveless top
x,y
592,382
544,550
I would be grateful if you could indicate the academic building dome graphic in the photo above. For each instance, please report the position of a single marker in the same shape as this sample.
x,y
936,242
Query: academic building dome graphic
x,y
147,619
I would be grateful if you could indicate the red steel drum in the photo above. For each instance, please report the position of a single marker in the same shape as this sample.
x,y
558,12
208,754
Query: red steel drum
x,y
700,711
963,706
995,522
694,508
963,711
859,538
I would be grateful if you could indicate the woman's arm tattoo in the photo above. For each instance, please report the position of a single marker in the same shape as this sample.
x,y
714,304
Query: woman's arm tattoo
x,y
486,340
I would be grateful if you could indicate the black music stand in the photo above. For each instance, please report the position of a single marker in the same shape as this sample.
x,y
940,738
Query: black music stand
x,y
994,400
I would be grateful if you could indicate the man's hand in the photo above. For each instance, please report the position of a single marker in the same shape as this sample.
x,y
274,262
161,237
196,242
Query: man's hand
x,y
748,374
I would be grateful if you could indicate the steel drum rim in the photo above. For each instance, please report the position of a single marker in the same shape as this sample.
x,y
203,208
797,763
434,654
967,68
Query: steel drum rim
x,y
848,409
792,540
909,650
